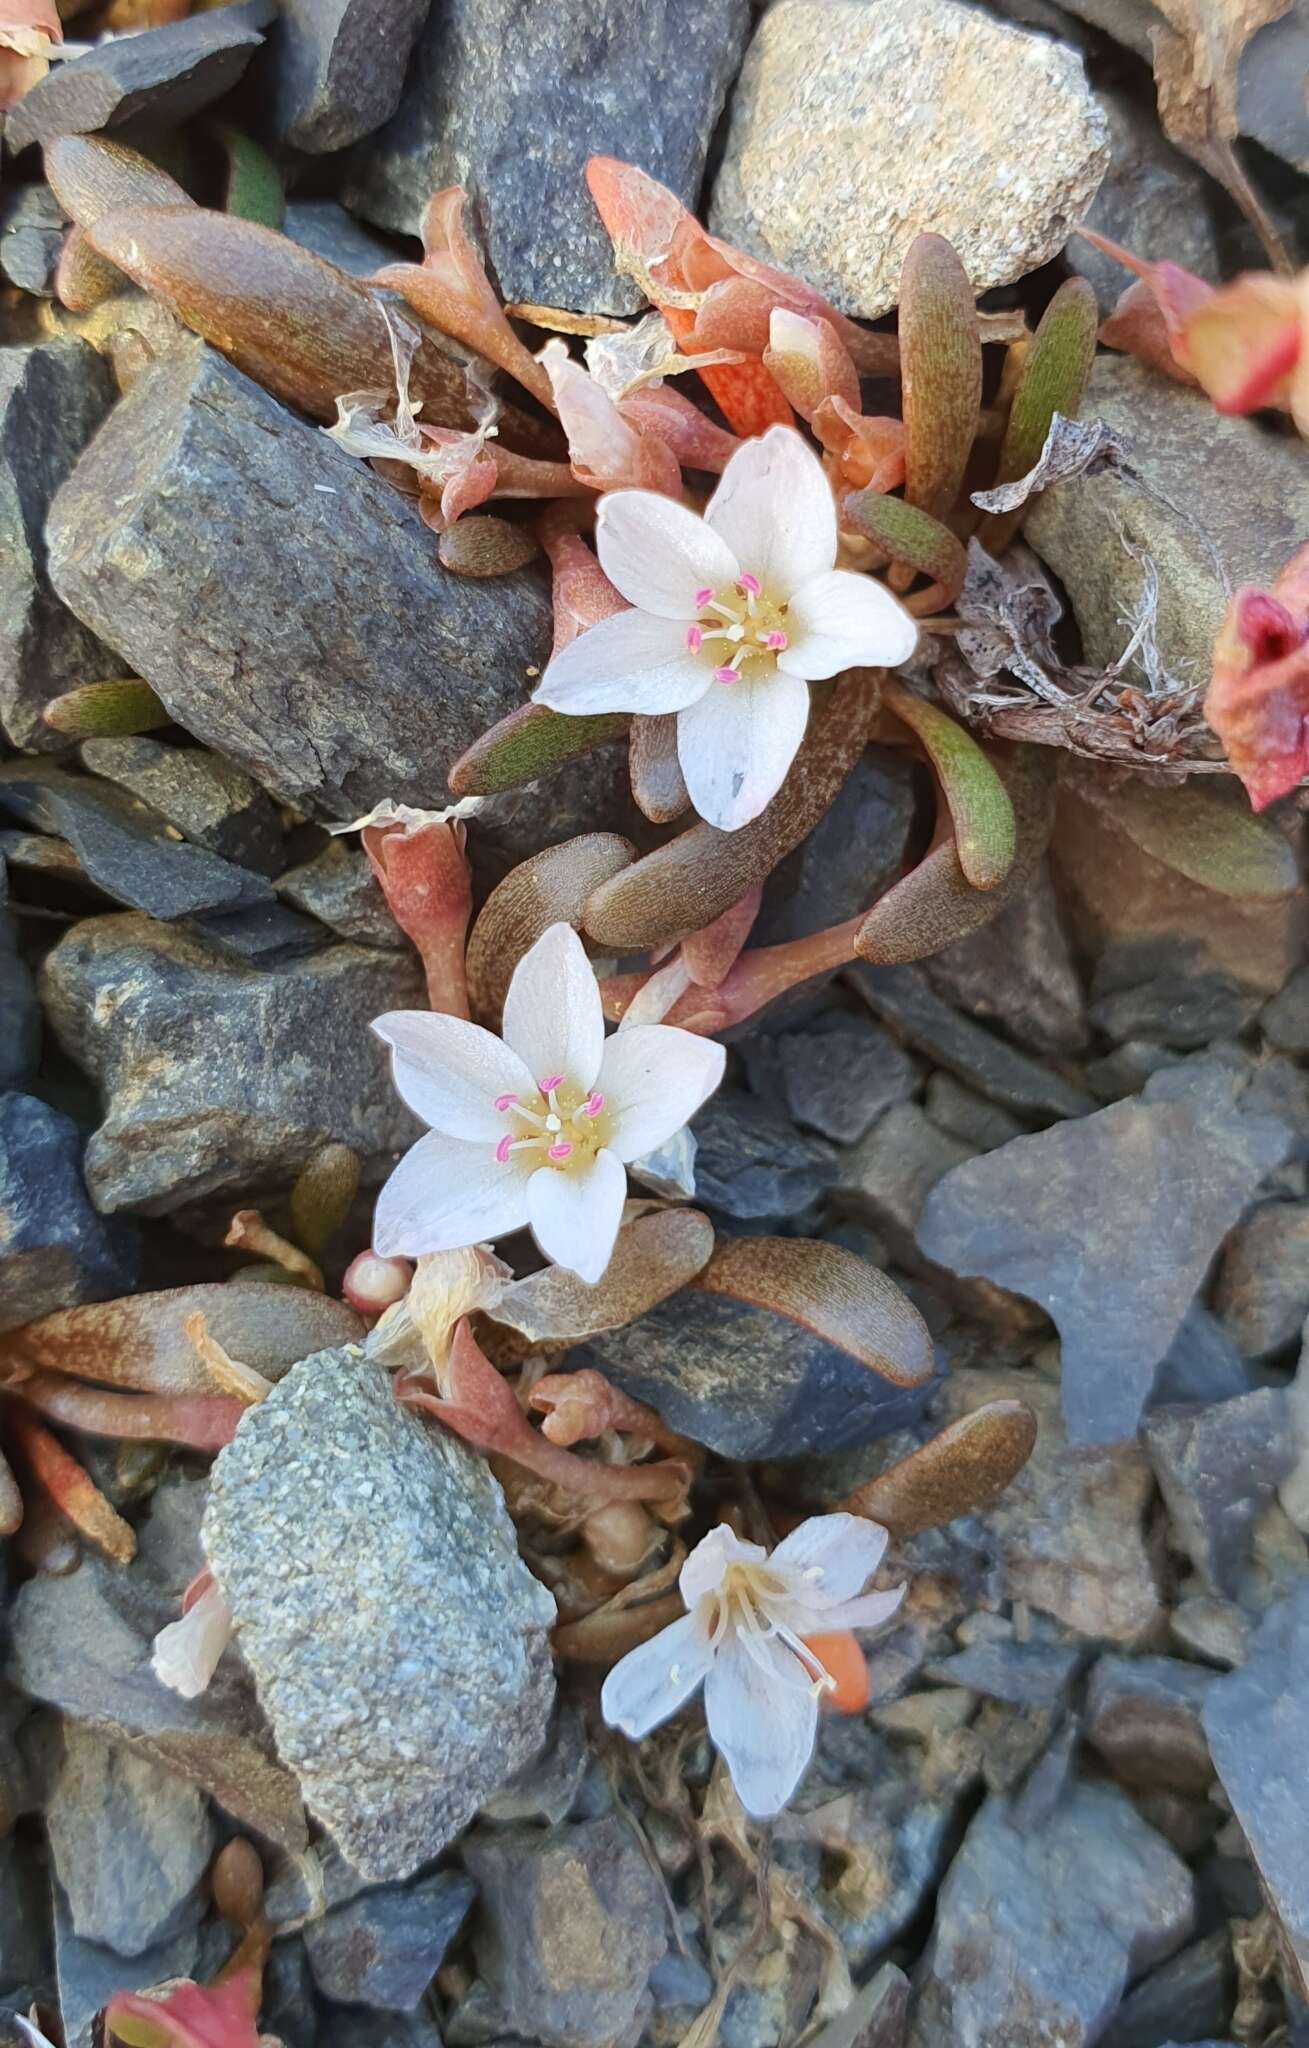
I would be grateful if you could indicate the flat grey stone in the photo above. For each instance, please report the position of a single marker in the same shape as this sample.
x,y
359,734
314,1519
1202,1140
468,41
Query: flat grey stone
x,y
336,236
1255,1719
835,1076
20,1013
1262,1293
888,1176
130,1843
333,69
1152,198
644,82
1084,1219
55,1250
124,847
338,887
53,396
1193,1990
24,1917
89,1974
161,75
210,801
1007,1961
752,1164
1143,1716
1201,1364
198,469
1218,1468
383,1948
1018,972
976,1123
285,1061
1179,443
1023,1674
1285,1017
903,998
32,224
399,1645
570,1924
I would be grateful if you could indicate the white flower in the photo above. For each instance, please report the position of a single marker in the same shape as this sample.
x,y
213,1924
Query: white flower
x,y
536,1128
744,1639
734,615
186,1653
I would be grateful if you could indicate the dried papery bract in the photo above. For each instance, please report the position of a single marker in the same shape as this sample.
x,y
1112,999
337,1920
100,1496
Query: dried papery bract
x,y
28,28
451,291
419,860
605,450
228,1374
1258,698
445,1288
186,1653
1053,380
941,372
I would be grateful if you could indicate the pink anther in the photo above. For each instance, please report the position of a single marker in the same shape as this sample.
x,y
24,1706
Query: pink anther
x,y
749,584
777,641
560,1151
725,675
503,1149
593,1104
550,1081
504,1102
694,639
703,595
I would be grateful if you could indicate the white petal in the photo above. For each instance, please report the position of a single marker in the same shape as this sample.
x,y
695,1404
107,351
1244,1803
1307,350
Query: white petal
x,y
654,1680
633,661
553,1016
763,1719
654,1078
444,1195
833,1556
658,554
186,1653
703,1571
774,508
575,1216
870,1611
842,620
736,745
450,1072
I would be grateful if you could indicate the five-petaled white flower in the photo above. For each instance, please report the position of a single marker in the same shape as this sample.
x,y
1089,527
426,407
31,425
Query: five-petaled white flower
x,y
734,616
744,1638
538,1127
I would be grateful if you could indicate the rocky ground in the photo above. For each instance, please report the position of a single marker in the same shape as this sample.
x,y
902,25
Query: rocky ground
x,y
1076,1810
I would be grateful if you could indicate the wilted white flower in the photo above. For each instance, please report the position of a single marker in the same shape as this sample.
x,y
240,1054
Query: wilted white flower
x,y
733,616
186,1653
744,1640
538,1127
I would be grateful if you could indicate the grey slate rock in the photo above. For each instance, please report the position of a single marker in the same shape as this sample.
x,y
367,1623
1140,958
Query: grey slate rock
x,y
197,469
210,801
53,397
1007,1961
569,1925
752,1164
644,82
1201,1364
1189,1995
82,1643
124,847
1018,972
1023,1674
979,1124
219,1079
24,1917
334,69
1255,1719
747,1383
162,75
1181,1010
1152,197
1143,1716
384,1948
1262,1294
356,2027
20,1013
336,236
55,1251
130,1843
265,935
1126,1069
547,1787
836,1075
1083,1219
399,1644
851,857
1218,1468
1285,1016
888,1175
1217,1630
338,887
32,224
89,1974
903,998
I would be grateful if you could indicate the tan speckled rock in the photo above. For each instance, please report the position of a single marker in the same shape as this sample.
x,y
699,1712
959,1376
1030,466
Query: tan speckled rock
x,y
856,126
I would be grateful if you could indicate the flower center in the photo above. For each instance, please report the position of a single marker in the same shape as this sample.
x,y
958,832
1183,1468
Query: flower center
x,y
740,1605
740,629
560,1126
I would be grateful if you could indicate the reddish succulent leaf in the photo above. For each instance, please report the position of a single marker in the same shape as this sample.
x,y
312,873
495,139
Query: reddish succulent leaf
x,y
962,1471
140,1341
710,954
693,437
830,1292
658,788
653,1256
1258,699
89,175
189,2015
552,887
71,1488
199,1422
480,1407
1138,328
